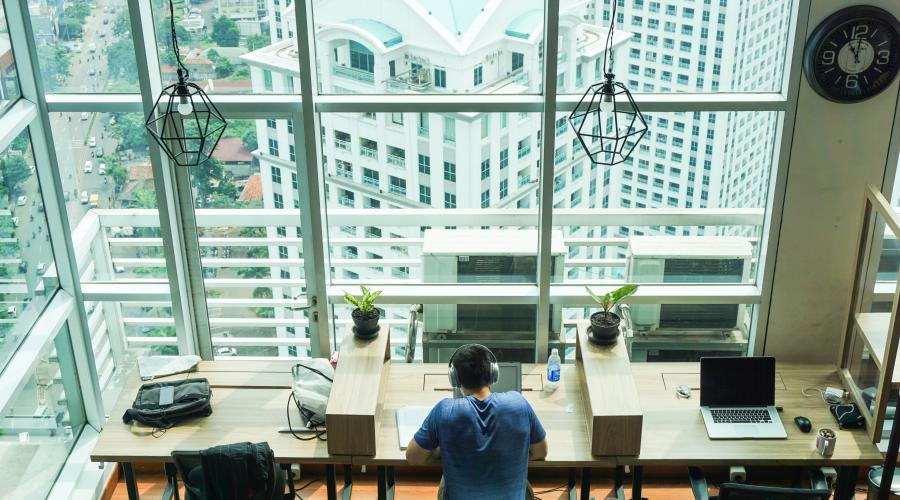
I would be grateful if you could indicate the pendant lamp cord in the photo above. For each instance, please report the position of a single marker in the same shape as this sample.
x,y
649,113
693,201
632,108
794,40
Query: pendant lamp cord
x,y
184,75
607,55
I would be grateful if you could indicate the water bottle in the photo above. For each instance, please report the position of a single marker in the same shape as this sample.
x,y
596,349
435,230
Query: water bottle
x,y
554,370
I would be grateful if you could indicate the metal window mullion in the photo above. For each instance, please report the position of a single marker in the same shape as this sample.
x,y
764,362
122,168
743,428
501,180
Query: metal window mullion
x,y
545,211
784,136
188,320
311,188
48,173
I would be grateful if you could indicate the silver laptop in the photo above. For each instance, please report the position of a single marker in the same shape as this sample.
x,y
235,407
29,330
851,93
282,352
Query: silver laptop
x,y
737,398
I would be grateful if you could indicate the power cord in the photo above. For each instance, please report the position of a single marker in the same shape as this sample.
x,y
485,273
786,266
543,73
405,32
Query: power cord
x,y
551,490
830,395
317,433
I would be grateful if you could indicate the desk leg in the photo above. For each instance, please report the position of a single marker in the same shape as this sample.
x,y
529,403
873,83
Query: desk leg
x,y
845,486
171,491
130,482
348,483
585,483
571,485
618,486
289,478
890,460
637,482
330,482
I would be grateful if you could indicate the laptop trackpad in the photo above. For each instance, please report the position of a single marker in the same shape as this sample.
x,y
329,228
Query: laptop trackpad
x,y
746,430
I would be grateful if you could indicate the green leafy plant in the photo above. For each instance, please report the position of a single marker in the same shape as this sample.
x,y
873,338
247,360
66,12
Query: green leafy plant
x,y
608,301
365,302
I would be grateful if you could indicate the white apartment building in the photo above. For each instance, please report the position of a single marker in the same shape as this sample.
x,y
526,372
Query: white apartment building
x,y
697,159
398,160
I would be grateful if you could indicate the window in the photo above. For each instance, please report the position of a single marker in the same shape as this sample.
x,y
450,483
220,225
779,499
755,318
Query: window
x,y
370,177
273,147
476,76
504,188
449,171
504,158
518,60
276,175
485,198
424,164
485,169
425,194
440,78
449,200
449,129
361,58
397,185
277,200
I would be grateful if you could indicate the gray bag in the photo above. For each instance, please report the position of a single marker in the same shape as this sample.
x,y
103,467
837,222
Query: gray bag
x,y
164,404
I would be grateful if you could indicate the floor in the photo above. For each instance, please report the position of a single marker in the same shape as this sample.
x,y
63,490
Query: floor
x,y
151,483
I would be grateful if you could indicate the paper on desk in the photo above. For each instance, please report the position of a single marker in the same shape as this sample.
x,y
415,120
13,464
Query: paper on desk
x,y
159,366
409,419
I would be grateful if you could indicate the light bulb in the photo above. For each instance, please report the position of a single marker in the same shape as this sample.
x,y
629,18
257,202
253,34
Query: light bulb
x,y
184,106
607,105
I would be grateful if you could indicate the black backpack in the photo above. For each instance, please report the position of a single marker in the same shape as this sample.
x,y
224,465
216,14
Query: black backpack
x,y
181,399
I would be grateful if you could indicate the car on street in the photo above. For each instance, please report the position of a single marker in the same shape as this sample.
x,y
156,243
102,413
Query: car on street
x,y
15,221
11,312
88,167
105,20
22,201
40,268
92,47
119,269
83,198
84,115
92,71
92,142
102,169
94,202
99,152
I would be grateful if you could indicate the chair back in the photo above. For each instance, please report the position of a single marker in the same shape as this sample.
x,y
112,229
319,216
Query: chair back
x,y
187,463
737,491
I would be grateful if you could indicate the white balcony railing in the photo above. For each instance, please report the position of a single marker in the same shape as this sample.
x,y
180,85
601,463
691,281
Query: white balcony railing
x,y
117,269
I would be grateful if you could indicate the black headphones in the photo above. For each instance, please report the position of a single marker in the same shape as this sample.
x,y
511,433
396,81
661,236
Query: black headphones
x,y
451,370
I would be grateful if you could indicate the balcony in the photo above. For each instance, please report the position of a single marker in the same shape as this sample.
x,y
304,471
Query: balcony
x,y
354,74
368,152
397,161
417,80
342,145
523,152
124,275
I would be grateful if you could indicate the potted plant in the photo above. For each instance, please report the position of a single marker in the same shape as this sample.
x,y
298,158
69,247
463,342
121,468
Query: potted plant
x,y
365,316
605,323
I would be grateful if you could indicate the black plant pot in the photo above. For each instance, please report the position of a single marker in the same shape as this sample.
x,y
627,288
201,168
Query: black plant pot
x,y
365,325
605,328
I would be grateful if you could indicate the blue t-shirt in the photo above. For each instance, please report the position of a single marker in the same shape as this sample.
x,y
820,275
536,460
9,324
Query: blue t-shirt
x,y
484,445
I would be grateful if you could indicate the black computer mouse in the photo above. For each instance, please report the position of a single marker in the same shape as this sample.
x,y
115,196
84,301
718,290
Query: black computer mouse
x,y
803,423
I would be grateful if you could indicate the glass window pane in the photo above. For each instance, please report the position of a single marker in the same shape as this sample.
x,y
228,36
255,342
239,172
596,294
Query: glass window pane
x,y
673,332
686,163
27,275
432,46
41,423
219,39
84,47
381,228
686,51
253,258
9,83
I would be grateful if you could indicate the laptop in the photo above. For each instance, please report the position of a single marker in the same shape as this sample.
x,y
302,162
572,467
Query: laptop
x,y
737,398
410,418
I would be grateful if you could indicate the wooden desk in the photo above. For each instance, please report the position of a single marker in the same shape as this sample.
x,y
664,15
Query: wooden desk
x,y
561,413
239,414
674,433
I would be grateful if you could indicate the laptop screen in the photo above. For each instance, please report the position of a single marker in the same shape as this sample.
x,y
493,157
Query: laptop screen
x,y
734,381
510,378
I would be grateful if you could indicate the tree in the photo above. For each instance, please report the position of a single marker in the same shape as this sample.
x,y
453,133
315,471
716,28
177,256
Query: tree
x,y
129,128
122,25
144,198
257,42
78,11
117,172
70,29
14,170
203,178
225,32
55,63
261,292
254,272
224,68
120,59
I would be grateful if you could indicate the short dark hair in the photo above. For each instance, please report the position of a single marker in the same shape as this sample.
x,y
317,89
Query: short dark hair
x,y
473,366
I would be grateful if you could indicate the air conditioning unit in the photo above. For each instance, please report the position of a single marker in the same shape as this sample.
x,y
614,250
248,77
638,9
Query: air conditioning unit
x,y
687,259
482,256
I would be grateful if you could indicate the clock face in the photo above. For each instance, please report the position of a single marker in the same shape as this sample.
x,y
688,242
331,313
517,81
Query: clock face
x,y
854,54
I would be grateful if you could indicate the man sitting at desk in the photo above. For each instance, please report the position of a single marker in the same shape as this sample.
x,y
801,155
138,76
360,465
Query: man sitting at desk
x,y
483,440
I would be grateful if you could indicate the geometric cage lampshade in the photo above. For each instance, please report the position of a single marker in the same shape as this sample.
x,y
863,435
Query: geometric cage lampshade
x,y
607,122
185,123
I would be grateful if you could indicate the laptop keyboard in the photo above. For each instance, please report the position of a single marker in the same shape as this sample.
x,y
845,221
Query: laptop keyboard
x,y
740,416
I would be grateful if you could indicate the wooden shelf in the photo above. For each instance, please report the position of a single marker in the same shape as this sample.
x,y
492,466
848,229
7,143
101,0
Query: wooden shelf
x,y
873,327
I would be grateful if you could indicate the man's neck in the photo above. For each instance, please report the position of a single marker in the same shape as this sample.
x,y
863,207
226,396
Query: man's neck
x,y
480,394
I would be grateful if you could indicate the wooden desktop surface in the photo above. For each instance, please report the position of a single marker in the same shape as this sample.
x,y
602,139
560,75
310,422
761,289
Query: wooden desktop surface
x,y
674,433
239,414
561,413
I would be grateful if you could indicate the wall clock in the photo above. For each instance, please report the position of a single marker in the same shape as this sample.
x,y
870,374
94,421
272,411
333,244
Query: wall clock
x,y
854,54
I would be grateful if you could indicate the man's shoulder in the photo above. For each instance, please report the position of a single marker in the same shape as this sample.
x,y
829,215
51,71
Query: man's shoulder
x,y
512,399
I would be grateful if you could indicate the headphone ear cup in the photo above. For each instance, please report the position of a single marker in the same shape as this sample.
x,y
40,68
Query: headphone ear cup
x,y
451,374
495,373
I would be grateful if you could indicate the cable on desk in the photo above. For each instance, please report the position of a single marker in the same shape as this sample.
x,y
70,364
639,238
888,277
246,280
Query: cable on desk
x,y
317,433
551,490
825,397
298,490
